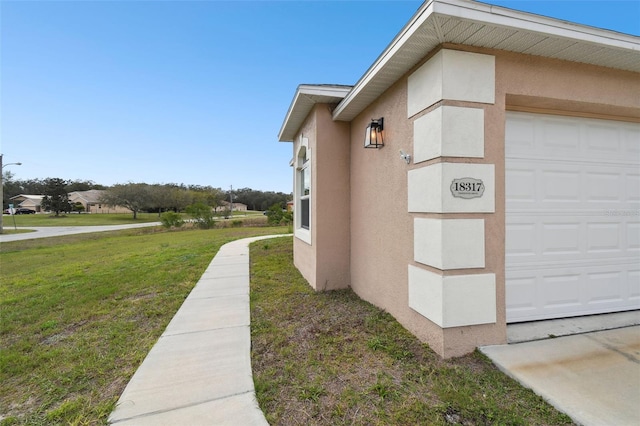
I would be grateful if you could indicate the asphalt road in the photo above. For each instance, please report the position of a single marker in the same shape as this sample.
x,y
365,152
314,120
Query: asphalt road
x,y
56,231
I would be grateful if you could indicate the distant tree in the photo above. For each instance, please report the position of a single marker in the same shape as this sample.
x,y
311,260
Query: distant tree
x,y
10,188
179,198
13,187
260,200
83,185
56,198
78,207
134,196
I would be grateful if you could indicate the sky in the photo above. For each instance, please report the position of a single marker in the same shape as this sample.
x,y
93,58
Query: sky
x,y
192,92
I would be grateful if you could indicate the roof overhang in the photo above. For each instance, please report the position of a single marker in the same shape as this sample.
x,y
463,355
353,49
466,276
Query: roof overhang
x,y
307,95
483,25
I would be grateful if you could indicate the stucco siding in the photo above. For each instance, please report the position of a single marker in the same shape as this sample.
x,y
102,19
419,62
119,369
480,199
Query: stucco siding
x,y
332,193
382,228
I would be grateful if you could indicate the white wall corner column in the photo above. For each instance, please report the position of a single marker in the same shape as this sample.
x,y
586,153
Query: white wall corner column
x,y
453,301
449,131
449,243
431,189
451,187
453,75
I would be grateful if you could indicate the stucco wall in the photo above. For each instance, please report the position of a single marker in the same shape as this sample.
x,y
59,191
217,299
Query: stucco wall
x,y
325,262
381,228
331,196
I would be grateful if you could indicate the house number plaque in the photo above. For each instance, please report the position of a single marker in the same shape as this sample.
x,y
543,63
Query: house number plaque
x,y
467,188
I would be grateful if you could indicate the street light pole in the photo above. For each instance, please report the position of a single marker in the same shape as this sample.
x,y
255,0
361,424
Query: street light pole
x,y
2,188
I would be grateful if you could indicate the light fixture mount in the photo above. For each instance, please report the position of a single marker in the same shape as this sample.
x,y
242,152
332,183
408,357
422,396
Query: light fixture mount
x,y
373,137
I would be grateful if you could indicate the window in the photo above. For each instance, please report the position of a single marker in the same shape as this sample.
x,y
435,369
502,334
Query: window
x,y
303,192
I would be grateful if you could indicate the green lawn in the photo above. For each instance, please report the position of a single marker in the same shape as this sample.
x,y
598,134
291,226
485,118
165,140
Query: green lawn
x,y
330,358
80,312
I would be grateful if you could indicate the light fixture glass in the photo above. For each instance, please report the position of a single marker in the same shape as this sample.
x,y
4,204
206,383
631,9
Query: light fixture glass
x,y
373,136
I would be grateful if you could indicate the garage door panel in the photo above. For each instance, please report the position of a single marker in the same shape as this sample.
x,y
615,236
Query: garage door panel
x,y
522,131
604,187
561,184
561,239
606,287
549,292
604,238
556,134
631,136
562,288
521,185
633,285
601,139
633,236
521,241
633,190
572,228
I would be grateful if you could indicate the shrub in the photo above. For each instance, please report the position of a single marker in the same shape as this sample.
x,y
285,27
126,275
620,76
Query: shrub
x,y
202,215
171,220
275,214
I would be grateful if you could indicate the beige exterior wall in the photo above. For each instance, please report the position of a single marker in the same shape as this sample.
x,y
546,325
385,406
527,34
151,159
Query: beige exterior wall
x,y
382,229
363,226
325,261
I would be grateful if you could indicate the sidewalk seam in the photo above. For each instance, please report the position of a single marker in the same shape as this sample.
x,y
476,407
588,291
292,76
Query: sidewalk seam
x,y
153,413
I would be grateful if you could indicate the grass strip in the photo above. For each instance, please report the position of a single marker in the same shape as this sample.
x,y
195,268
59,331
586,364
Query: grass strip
x,y
330,358
79,313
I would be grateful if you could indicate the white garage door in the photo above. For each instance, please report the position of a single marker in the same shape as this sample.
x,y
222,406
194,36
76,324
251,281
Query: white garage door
x,y
572,216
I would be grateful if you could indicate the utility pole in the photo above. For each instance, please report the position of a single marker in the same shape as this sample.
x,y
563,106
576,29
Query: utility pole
x,y
231,198
2,189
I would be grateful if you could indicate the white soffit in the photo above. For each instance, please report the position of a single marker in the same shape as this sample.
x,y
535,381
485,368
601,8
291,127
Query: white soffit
x,y
307,95
482,25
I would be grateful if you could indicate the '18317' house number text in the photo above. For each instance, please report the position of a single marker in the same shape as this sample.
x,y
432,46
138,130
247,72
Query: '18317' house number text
x,y
467,188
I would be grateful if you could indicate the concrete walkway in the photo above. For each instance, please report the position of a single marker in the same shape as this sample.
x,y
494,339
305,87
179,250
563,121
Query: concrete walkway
x,y
592,377
199,371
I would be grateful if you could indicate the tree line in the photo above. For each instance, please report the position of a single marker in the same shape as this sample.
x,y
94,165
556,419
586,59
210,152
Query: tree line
x,y
139,197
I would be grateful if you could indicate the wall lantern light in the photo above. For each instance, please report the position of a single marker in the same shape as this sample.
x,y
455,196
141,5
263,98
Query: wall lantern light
x,y
373,137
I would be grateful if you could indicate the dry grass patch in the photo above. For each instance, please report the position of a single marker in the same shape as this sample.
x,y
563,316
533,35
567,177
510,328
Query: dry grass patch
x,y
331,359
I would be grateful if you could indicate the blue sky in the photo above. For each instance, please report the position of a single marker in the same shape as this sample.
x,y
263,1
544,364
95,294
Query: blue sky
x,y
191,92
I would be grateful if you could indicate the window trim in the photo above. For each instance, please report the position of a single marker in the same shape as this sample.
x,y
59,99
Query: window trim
x,y
303,166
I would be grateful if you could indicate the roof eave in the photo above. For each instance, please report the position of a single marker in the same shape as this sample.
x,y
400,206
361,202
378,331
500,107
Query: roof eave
x,y
393,60
306,96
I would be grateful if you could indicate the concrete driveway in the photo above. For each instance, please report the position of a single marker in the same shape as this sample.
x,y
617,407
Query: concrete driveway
x,y
56,231
592,377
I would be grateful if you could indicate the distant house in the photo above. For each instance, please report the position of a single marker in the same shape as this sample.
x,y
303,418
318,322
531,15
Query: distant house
x,y
25,201
90,200
238,207
482,172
